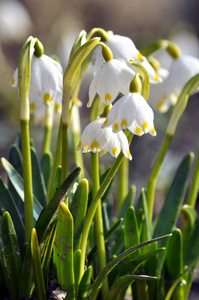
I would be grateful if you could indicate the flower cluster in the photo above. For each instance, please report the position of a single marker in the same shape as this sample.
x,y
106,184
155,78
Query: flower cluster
x,y
111,77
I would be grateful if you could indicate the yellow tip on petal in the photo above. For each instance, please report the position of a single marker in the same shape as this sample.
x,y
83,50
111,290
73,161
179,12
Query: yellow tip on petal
x,y
47,99
12,81
95,145
115,151
32,106
89,102
153,131
86,148
58,107
79,145
124,123
140,56
145,126
102,152
164,98
138,131
156,77
115,127
105,122
107,98
129,154
160,106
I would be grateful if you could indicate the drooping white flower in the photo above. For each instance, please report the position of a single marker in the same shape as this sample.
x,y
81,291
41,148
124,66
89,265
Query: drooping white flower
x,y
113,77
45,81
132,112
97,139
124,49
181,71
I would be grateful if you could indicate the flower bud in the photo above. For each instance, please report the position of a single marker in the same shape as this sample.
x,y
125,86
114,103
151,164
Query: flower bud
x,y
39,49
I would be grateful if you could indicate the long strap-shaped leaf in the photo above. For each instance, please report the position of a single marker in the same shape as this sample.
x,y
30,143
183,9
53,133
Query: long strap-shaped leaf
x,y
172,205
12,254
63,251
49,214
37,270
102,275
7,204
18,183
39,188
47,217
119,288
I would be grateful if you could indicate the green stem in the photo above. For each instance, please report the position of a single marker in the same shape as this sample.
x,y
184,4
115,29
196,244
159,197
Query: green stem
x,y
154,174
76,133
27,175
194,185
48,128
178,110
123,182
56,163
99,231
170,47
69,75
94,204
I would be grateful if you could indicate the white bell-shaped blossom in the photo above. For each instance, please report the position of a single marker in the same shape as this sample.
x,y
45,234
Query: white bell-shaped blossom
x,y
46,80
113,77
97,139
181,71
123,49
132,112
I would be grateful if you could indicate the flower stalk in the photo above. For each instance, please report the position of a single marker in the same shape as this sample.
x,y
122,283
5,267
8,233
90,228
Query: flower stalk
x,y
24,69
68,78
178,110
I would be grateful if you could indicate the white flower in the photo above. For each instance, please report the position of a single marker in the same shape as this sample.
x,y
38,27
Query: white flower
x,y
124,49
97,139
157,91
113,77
45,81
132,112
181,71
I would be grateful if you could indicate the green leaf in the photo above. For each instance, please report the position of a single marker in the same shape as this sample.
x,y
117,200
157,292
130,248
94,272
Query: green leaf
x,y
169,214
107,237
78,208
37,270
131,233
18,184
15,159
57,179
49,214
46,165
77,263
104,273
120,286
192,253
39,188
7,204
47,253
128,201
12,254
63,251
84,284
174,255
189,217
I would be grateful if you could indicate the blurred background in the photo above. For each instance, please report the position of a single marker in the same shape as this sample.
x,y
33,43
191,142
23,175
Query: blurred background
x,y
57,22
